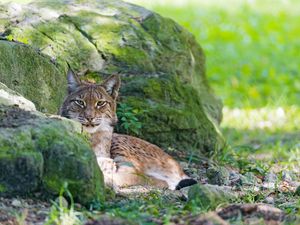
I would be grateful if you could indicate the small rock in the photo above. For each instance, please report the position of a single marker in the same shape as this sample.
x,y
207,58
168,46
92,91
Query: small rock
x,y
235,179
270,181
249,179
16,203
78,206
288,176
268,185
210,196
10,97
184,193
218,175
271,177
269,200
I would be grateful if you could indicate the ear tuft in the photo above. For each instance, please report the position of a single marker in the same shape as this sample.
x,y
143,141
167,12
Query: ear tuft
x,y
112,85
73,81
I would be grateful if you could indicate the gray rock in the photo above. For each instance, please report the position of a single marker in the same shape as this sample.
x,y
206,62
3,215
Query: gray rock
x,y
270,181
271,177
249,179
288,176
269,200
218,175
16,203
10,97
235,178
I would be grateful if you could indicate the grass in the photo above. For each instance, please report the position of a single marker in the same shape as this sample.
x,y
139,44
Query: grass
x,y
154,207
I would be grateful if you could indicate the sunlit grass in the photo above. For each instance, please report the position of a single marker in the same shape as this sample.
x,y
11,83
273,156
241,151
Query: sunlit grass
x,y
267,136
269,119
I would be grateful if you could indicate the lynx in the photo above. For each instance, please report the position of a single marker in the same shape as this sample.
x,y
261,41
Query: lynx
x,y
124,160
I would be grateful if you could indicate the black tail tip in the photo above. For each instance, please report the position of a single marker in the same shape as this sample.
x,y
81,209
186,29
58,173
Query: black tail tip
x,y
185,183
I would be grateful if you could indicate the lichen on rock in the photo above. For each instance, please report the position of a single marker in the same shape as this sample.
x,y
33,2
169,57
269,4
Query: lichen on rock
x,y
10,97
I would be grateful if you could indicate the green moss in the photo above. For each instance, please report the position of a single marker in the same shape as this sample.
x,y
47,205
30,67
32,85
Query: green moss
x,y
42,153
174,115
208,197
2,188
52,4
81,170
23,172
32,75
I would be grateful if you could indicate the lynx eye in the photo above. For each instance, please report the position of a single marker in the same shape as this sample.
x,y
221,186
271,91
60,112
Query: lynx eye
x,y
100,104
79,103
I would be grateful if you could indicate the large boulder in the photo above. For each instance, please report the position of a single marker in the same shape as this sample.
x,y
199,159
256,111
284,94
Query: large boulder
x,y
161,64
41,154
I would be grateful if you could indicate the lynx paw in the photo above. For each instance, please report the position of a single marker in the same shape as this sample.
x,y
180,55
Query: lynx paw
x,y
107,165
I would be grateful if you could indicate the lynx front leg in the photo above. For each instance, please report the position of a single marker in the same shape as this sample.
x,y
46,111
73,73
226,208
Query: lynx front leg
x,y
108,168
118,174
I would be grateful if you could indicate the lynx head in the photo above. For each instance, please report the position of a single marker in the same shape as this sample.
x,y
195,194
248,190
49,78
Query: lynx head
x,y
93,105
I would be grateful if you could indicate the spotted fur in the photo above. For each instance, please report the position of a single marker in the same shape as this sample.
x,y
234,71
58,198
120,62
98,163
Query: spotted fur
x,y
124,160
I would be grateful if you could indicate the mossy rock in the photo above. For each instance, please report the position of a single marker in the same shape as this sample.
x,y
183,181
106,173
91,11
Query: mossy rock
x,y
218,175
40,154
208,196
161,64
30,73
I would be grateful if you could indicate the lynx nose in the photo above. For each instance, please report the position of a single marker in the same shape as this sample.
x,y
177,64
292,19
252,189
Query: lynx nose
x,y
89,118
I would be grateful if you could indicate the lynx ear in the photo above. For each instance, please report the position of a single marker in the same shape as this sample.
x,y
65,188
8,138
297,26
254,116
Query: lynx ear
x,y
73,81
112,85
